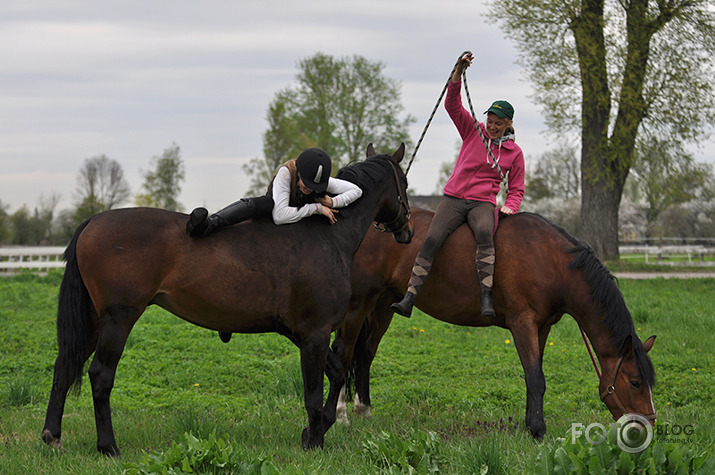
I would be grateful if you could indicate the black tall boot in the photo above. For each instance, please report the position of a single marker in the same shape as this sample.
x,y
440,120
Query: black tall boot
x,y
199,225
404,307
487,306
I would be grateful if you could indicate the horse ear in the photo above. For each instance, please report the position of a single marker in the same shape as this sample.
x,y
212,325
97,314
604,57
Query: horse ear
x,y
627,350
399,153
370,150
649,343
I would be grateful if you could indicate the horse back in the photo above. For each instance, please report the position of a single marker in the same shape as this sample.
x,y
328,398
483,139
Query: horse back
x,y
139,256
532,268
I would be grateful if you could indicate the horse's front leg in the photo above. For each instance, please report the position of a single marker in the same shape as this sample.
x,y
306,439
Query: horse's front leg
x,y
528,340
313,357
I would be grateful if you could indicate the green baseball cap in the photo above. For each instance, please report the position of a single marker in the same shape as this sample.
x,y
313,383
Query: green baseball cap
x,y
503,109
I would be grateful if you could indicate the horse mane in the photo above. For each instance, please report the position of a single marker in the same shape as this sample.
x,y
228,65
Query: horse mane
x,y
366,174
606,294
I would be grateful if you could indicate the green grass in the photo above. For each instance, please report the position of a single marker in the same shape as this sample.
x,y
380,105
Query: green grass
x,y
459,383
634,263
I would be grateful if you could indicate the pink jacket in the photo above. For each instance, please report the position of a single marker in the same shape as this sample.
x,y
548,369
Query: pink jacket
x,y
472,177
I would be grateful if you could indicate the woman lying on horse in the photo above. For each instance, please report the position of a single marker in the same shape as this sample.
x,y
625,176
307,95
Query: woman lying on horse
x,y
301,187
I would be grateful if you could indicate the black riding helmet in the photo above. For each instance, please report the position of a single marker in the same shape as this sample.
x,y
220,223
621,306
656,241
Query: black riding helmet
x,y
314,167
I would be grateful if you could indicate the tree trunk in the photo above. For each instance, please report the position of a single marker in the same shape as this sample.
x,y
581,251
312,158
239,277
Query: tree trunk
x,y
599,216
600,195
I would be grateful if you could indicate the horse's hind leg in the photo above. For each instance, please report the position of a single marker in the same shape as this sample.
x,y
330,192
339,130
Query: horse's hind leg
x,y
61,383
336,375
313,358
118,321
378,322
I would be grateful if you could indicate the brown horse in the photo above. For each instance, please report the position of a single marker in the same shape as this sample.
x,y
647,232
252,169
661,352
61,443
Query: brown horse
x,y
541,273
297,276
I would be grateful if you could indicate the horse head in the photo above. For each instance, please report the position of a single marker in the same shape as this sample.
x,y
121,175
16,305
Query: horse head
x,y
627,388
395,214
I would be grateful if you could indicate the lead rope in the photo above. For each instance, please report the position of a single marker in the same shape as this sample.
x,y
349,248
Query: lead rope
x,y
585,340
474,117
479,129
434,110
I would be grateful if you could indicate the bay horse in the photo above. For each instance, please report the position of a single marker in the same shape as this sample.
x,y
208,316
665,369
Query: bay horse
x,y
541,273
297,278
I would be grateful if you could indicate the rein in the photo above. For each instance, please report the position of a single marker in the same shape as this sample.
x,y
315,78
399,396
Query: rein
x,y
611,388
388,227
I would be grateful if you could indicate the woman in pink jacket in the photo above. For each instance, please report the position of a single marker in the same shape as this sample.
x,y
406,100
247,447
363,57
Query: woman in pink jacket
x,y
471,191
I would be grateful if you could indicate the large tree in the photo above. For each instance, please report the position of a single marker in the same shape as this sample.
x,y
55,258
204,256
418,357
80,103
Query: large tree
x,y
100,186
162,185
617,72
339,105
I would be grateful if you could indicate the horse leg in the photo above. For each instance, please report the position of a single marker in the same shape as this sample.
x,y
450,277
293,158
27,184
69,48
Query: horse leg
x,y
313,359
118,321
336,375
528,341
376,326
349,335
62,381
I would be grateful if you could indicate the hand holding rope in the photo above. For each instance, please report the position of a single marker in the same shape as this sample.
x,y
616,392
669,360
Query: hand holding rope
x,y
463,62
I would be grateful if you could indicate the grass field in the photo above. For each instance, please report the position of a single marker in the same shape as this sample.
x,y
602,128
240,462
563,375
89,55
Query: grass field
x,y
465,386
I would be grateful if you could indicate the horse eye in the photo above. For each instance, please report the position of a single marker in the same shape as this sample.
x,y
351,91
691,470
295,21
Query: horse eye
x,y
636,384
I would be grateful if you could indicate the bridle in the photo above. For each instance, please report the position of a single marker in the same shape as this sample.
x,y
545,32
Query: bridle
x,y
611,391
404,213
611,388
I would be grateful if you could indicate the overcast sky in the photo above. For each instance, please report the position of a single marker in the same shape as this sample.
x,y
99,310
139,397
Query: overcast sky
x,y
127,79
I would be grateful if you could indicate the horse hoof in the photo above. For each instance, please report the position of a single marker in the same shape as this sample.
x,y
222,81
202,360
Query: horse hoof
x,y
363,411
51,440
112,451
538,434
310,444
342,418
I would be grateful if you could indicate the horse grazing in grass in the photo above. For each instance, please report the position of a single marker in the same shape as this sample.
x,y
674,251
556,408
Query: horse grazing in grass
x,y
541,273
252,277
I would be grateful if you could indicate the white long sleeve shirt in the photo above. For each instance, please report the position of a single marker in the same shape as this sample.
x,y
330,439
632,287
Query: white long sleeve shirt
x,y
344,193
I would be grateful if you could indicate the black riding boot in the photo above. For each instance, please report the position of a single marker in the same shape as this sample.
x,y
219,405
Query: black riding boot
x,y
404,307
487,306
199,225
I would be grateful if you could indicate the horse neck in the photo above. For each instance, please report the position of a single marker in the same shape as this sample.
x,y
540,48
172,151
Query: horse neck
x,y
599,335
355,220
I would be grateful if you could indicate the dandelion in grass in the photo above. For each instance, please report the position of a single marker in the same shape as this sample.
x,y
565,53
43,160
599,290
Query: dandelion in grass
x,y
693,369
507,341
551,343
196,385
422,330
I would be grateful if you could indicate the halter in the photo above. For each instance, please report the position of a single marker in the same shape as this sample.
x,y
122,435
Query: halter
x,y
611,388
389,226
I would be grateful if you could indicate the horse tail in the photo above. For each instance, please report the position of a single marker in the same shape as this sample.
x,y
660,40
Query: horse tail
x,y
75,326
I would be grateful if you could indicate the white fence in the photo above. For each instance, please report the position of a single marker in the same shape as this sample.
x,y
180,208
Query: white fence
x,y
694,254
36,259
42,259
